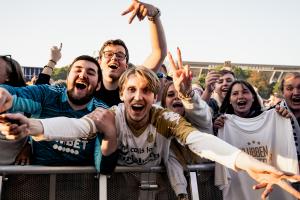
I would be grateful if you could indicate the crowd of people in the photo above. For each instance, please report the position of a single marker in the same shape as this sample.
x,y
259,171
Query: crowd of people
x,y
110,112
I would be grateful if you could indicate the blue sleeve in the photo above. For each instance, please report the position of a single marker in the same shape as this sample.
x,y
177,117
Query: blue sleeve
x,y
27,99
104,164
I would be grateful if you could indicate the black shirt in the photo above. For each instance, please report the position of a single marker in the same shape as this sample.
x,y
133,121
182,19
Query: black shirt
x,y
110,97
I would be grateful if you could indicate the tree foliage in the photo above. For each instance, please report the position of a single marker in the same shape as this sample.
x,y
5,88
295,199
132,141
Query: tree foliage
x,y
241,74
60,73
260,80
276,88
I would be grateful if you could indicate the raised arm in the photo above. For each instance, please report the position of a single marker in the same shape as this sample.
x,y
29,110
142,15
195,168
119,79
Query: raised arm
x,y
45,75
196,110
157,36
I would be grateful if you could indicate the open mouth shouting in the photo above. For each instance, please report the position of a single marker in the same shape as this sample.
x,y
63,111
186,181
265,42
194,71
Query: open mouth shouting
x,y
296,100
241,104
178,107
224,89
137,107
81,84
177,104
113,66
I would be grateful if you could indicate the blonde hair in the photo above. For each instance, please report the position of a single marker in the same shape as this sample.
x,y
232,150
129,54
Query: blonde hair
x,y
141,71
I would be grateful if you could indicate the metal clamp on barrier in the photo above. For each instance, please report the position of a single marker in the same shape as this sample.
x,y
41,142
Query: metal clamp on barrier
x,y
147,186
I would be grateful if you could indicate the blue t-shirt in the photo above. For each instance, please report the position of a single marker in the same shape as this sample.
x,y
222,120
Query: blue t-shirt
x,y
45,101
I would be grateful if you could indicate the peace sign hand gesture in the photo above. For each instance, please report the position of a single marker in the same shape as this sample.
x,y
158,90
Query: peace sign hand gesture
x,y
182,76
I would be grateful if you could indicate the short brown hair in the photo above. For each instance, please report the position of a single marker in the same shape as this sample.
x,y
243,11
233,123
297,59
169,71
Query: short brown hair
x,y
90,59
114,42
225,71
148,74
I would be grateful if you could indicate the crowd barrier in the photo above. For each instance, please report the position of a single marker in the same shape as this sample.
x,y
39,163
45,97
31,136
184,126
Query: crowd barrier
x,y
127,183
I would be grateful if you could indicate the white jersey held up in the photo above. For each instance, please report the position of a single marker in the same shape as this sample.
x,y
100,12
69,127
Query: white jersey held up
x,y
268,138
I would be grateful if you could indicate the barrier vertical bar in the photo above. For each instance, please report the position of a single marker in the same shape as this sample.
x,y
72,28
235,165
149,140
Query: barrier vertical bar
x,y
52,187
1,183
102,187
194,186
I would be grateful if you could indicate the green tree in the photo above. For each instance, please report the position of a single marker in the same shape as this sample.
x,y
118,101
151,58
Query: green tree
x,y
260,80
276,88
241,74
201,80
60,73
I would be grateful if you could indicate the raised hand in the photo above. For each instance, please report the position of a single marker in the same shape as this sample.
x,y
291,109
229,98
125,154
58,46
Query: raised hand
x,y
182,75
140,10
55,54
210,80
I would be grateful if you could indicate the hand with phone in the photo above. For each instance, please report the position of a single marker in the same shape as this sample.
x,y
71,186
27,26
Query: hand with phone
x,y
210,81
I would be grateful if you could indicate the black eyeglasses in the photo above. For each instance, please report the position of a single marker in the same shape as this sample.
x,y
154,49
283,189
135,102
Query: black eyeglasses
x,y
109,54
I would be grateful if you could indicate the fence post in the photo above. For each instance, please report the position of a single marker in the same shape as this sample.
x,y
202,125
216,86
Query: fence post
x,y
1,183
103,187
194,186
52,187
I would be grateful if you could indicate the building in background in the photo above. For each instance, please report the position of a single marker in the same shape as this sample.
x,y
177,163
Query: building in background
x,y
276,72
30,72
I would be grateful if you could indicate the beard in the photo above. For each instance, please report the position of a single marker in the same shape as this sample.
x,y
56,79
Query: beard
x,y
82,100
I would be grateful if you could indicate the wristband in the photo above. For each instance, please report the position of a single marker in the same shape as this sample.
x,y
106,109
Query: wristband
x,y
157,14
189,95
48,67
53,61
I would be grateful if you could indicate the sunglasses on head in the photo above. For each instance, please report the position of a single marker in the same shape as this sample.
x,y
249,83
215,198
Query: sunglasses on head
x,y
162,75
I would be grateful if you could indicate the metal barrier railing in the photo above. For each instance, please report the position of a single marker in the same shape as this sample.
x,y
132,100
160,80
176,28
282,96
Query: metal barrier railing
x,y
59,182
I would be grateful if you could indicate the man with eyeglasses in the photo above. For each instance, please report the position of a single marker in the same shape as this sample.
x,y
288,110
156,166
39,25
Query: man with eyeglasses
x,y
114,55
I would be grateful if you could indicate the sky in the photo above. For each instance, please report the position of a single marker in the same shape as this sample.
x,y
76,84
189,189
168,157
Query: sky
x,y
242,31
